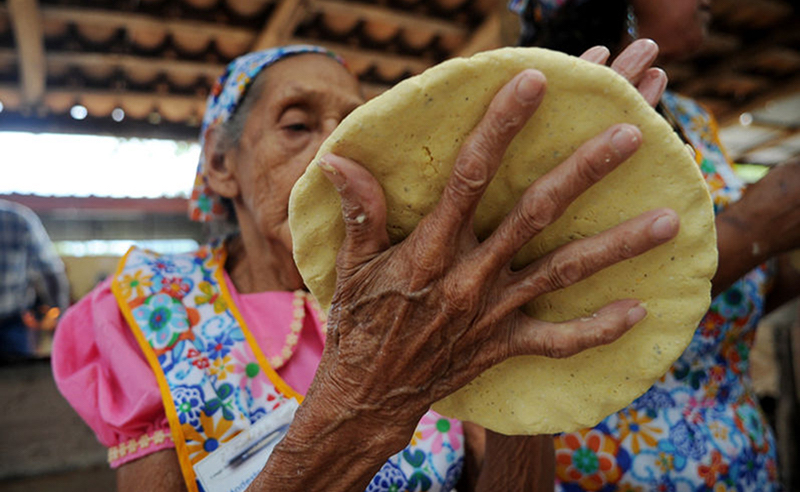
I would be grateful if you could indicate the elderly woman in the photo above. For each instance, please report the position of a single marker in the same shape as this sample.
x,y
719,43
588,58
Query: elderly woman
x,y
177,356
700,426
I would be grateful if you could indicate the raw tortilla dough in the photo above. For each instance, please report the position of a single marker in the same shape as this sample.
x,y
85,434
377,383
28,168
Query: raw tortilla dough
x,y
409,137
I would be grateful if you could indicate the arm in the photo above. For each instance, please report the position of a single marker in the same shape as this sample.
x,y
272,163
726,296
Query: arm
x,y
763,224
377,379
161,469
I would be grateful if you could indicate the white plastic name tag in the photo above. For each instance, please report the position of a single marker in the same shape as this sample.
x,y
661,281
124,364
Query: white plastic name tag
x,y
237,463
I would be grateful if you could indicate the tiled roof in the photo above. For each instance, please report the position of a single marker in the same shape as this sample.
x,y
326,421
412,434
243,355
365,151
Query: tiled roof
x,y
156,59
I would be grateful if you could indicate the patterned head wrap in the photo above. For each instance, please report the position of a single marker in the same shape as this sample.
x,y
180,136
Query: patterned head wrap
x,y
225,97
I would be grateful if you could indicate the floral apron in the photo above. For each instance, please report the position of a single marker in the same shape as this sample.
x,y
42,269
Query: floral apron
x,y
699,427
216,382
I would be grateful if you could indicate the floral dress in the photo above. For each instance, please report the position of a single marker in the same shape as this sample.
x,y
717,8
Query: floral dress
x,y
699,427
216,381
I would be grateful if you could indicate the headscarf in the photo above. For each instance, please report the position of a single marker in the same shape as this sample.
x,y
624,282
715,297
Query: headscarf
x,y
226,95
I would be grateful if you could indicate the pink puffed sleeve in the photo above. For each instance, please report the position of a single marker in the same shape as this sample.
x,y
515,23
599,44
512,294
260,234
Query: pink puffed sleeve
x,y
100,369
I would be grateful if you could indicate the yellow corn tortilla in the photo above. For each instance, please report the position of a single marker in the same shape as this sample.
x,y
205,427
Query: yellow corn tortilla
x,y
409,137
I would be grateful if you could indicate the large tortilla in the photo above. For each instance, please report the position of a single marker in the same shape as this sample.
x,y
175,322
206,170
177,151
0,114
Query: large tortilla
x,y
408,138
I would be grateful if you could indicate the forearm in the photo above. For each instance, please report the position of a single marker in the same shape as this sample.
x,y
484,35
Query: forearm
x,y
741,248
524,463
763,224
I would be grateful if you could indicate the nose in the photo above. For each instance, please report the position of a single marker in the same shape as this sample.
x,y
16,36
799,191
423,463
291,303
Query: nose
x,y
325,131
328,126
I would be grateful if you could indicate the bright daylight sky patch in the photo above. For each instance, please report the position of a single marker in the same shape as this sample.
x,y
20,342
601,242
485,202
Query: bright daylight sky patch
x,y
81,165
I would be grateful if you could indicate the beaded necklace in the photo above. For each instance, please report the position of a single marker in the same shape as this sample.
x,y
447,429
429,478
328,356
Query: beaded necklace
x,y
296,326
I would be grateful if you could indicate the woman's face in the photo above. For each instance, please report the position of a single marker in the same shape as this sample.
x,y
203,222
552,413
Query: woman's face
x,y
678,26
303,98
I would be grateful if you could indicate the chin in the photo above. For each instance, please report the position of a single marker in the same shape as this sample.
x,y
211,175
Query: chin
x,y
684,47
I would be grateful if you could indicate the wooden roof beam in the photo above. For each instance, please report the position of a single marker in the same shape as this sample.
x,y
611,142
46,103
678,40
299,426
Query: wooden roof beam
x,y
389,16
134,63
27,21
126,62
9,92
281,24
395,62
130,20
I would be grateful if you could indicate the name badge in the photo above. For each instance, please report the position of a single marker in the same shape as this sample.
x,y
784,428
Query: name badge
x,y
236,464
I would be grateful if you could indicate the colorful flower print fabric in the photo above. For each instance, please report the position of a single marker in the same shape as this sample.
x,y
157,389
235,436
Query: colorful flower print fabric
x,y
215,379
699,428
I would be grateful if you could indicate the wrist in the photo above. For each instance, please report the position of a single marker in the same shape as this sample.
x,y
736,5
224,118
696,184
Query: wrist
x,y
329,447
337,406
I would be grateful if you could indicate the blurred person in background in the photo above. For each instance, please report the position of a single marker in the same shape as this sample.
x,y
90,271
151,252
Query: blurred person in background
x,y
700,427
31,275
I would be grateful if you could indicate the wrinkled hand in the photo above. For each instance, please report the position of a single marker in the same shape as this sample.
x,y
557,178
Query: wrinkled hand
x,y
634,63
413,322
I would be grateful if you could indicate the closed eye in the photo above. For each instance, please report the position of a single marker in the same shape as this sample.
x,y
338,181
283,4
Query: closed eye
x,y
297,127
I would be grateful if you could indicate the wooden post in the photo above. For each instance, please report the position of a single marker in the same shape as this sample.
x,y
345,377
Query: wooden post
x,y
26,20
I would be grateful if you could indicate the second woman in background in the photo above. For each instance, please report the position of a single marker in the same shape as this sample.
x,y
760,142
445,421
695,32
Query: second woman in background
x,y
700,427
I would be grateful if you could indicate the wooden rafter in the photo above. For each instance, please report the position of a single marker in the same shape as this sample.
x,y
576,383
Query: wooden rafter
x,y
413,65
134,63
389,16
129,20
281,24
9,92
127,62
26,19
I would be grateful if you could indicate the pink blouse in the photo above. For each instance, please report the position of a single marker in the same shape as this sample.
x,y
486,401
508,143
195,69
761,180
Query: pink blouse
x,y
102,372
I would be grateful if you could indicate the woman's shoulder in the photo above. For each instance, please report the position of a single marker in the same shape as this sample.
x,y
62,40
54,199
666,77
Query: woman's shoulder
x,y
100,370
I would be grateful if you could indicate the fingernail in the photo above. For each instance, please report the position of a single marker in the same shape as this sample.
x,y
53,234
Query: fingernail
x,y
635,314
597,54
625,140
334,176
529,86
664,227
647,52
648,41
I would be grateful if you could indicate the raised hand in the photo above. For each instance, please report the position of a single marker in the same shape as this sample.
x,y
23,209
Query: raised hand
x,y
414,322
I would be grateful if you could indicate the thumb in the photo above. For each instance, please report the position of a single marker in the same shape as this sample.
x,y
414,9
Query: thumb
x,y
363,211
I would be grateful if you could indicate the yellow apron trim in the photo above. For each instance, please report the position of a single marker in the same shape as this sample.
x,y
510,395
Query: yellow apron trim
x,y
166,396
273,376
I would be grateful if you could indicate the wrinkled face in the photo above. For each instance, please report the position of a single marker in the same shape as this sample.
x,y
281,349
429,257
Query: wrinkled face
x,y
678,26
302,100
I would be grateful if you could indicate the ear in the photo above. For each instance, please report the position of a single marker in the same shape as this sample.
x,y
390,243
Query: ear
x,y
220,168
